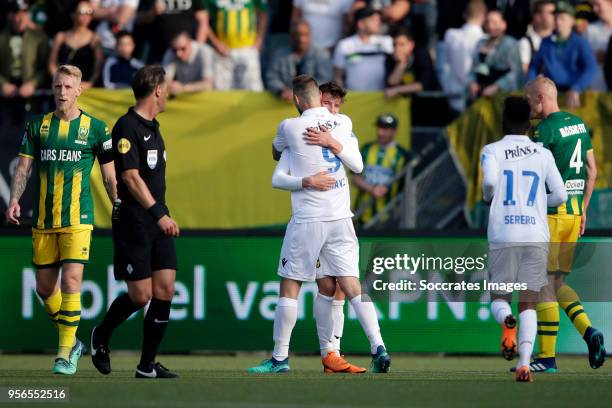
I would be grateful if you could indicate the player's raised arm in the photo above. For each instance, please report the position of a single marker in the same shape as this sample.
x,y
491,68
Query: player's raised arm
x,y
490,174
18,186
554,183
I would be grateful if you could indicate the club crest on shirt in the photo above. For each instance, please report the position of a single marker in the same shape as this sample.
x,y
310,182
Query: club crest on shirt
x,y
152,158
82,136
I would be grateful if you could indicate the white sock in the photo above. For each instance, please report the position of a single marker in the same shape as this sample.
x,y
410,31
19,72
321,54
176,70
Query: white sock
x,y
500,309
338,317
325,323
284,321
528,328
369,322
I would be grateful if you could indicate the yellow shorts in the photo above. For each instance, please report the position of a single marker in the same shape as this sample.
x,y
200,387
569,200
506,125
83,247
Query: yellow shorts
x,y
564,233
52,247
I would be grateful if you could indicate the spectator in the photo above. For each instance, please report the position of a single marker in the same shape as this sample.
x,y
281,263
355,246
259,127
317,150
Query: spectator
x,y
114,16
159,21
423,17
59,14
516,13
188,65
455,56
608,65
238,66
542,26
598,35
451,14
301,59
361,57
497,61
584,16
392,12
410,69
119,69
380,181
79,46
328,19
24,53
565,57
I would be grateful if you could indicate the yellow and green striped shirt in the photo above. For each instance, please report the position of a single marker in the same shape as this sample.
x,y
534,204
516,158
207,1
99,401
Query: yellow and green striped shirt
x,y
381,166
64,153
235,21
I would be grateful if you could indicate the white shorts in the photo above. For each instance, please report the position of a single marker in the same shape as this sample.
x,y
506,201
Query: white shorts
x,y
333,243
520,264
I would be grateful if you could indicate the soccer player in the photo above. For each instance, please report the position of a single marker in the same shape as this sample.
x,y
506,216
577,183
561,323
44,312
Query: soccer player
x,y
143,232
515,175
64,145
332,97
568,138
321,226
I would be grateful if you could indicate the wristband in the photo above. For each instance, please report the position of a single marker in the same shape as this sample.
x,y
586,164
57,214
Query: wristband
x,y
157,211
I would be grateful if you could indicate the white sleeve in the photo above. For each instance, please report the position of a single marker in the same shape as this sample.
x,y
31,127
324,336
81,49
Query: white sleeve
x,y
339,58
490,173
280,142
350,154
281,178
554,182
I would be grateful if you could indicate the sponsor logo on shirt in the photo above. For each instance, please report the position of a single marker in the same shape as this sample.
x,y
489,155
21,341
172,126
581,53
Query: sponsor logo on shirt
x,y
60,155
572,130
574,187
519,151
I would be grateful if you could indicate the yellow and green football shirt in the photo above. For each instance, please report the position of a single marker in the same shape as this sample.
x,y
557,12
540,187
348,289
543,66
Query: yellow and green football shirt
x,y
64,153
235,21
381,166
569,140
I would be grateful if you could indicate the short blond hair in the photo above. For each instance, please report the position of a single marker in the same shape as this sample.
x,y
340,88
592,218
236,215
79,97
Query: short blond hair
x,y
543,84
70,70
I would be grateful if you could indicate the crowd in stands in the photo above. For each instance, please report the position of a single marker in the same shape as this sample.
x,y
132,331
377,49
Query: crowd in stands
x,y
464,48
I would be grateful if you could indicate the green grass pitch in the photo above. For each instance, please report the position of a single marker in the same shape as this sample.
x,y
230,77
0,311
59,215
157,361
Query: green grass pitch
x,y
415,381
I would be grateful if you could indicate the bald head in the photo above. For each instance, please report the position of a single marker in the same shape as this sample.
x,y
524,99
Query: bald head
x,y
542,95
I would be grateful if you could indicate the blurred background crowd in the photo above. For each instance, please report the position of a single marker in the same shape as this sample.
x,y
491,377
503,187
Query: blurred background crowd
x,y
462,48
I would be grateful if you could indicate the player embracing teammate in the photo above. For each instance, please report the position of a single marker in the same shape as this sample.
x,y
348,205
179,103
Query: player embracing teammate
x,y
321,229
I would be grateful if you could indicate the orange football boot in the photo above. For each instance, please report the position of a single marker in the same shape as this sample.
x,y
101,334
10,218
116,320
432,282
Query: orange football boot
x,y
333,363
508,343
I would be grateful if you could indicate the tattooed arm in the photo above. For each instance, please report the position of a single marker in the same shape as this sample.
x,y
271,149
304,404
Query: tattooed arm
x,y
18,186
110,180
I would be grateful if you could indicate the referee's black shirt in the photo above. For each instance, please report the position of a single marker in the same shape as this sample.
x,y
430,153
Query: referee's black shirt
x,y
138,144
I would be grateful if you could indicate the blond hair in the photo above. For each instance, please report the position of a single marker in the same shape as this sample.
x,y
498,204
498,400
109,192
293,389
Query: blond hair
x,y
542,84
70,70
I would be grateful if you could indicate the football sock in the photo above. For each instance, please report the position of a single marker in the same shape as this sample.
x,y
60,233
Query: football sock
x,y
366,313
338,318
548,328
500,309
325,323
68,320
120,310
284,321
527,333
155,323
52,306
570,302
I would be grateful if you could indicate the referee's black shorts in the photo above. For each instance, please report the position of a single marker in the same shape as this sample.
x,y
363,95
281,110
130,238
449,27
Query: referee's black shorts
x,y
140,245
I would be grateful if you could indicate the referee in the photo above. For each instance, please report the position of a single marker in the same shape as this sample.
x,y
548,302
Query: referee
x,y
143,232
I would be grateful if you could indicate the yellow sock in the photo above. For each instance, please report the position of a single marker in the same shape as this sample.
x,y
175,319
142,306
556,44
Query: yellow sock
x,y
548,327
52,306
68,322
570,302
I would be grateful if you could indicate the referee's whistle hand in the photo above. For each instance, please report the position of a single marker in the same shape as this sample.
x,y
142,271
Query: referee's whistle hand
x,y
168,226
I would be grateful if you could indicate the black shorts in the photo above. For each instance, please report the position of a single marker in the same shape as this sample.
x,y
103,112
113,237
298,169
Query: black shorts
x,y
140,246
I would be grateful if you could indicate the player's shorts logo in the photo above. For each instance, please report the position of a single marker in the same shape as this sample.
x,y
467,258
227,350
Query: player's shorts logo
x,y
123,146
284,262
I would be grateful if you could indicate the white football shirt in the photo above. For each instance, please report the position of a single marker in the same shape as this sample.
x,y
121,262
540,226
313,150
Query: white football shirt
x,y
310,205
515,175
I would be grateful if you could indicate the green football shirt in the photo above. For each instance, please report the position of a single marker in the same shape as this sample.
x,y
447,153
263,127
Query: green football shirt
x,y
569,140
64,153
